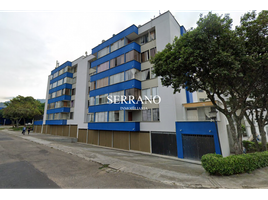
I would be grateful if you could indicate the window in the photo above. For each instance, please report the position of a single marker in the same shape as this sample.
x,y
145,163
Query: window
x,y
53,95
90,117
102,82
152,52
152,74
56,74
145,75
73,91
93,85
155,114
66,91
133,55
101,99
61,71
152,35
155,92
146,115
118,44
68,80
74,80
64,115
117,78
103,52
57,116
49,96
146,92
132,74
58,104
60,82
117,61
133,92
145,56
59,93
117,94
144,39
92,101
71,115
72,104
50,86
66,104
102,67
101,117
116,116
52,106
51,116
54,84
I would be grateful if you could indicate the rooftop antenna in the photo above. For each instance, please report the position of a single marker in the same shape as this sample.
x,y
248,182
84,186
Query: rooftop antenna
x,y
57,64
86,53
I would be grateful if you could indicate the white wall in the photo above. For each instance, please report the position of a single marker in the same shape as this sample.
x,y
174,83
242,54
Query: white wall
x,y
46,103
170,108
81,95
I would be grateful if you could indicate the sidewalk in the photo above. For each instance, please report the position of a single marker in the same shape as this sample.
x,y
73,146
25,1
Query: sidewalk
x,y
169,170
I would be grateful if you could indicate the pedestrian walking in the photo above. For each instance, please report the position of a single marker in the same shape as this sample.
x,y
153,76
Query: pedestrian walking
x,y
29,129
23,130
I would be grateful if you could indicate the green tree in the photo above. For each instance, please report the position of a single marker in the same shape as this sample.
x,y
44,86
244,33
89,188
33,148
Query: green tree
x,y
212,57
254,32
22,108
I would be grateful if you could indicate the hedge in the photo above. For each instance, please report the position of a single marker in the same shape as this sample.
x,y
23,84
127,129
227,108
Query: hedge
x,y
250,146
235,164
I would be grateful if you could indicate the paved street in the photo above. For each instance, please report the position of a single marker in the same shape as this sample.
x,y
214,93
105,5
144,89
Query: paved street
x,y
25,164
55,161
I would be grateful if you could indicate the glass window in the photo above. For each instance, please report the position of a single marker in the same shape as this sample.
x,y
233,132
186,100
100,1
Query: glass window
x,y
101,117
68,80
72,104
71,115
118,44
93,85
116,96
51,116
50,86
58,104
117,78
66,91
74,80
64,115
133,55
144,39
90,117
59,93
145,75
102,82
61,71
133,92
101,99
54,84
53,95
55,74
132,74
152,52
147,93
73,91
152,35
52,106
145,56
102,67
92,101
152,74
66,104
155,114
146,115
116,116
103,52
60,82
117,61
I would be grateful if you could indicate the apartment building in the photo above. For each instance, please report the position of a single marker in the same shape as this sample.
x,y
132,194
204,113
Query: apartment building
x,y
112,98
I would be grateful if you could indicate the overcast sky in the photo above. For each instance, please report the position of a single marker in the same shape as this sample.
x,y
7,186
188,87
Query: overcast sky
x,y
33,37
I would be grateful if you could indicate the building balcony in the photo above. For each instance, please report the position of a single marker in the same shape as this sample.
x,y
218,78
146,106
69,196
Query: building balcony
x,y
56,122
59,110
114,126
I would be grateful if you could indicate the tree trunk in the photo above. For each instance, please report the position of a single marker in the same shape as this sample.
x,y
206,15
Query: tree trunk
x,y
253,132
237,141
239,135
263,135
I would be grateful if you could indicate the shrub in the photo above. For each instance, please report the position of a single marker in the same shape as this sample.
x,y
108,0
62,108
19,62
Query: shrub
x,y
235,164
250,146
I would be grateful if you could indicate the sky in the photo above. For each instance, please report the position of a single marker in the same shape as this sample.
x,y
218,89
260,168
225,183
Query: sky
x,y
34,36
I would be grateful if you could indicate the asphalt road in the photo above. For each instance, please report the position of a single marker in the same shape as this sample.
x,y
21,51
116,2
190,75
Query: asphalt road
x,y
25,164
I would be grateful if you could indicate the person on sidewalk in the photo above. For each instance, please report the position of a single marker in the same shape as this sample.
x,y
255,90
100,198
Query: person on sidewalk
x,y
23,130
29,129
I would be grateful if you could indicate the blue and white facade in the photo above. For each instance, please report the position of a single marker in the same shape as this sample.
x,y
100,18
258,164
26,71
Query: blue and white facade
x,y
79,91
